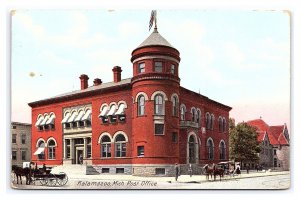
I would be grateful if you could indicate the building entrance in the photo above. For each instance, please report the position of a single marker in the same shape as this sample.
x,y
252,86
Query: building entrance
x,y
79,155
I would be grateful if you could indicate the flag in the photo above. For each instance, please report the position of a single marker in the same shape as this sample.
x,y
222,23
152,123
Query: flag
x,y
152,19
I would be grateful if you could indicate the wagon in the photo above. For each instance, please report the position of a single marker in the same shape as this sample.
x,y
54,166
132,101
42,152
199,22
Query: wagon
x,y
49,179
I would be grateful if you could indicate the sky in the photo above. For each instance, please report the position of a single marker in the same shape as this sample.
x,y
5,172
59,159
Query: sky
x,y
238,58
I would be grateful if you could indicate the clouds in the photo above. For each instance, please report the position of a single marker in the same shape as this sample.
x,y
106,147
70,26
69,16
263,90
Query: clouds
x,y
227,59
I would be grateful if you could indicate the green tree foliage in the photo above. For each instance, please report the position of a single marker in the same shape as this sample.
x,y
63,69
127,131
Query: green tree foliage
x,y
243,142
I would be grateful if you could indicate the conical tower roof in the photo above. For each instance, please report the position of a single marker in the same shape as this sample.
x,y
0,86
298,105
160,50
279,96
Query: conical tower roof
x,y
155,39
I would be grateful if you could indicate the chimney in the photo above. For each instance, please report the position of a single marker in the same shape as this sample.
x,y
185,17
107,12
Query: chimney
x,y
97,81
117,73
84,81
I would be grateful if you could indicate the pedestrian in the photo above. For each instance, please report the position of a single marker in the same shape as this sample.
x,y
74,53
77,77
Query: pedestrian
x,y
238,169
248,167
256,167
190,170
177,171
44,168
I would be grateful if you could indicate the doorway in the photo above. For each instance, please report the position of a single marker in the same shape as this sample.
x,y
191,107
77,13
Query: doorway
x,y
79,152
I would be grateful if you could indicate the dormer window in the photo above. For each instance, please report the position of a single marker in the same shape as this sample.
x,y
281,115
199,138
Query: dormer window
x,y
158,66
141,68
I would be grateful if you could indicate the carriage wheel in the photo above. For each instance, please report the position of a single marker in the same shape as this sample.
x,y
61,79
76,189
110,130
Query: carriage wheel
x,y
51,181
44,181
62,179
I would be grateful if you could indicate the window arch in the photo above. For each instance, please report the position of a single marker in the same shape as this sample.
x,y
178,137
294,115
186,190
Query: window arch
x,y
159,92
159,104
193,112
141,105
182,112
222,149
105,142
51,149
175,105
220,121
198,119
41,144
212,121
208,121
210,149
120,145
224,124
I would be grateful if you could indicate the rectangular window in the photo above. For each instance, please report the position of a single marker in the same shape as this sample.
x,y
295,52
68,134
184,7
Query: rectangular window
x,y
23,155
141,68
68,149
120,170
74,124
40,128
172,69
174,137
140,150
105,170
14,127
120,149
89,148
106,150
160,171
14,155
23,139
274,152
158,67
88,123
159,129
14,138
67,125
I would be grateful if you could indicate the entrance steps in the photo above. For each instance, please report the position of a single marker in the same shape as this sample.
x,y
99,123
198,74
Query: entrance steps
x,y
70,169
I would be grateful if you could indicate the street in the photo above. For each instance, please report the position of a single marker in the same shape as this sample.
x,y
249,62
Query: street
x,y
270,180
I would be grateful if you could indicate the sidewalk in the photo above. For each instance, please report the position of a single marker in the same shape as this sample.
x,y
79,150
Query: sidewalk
x,y
181,179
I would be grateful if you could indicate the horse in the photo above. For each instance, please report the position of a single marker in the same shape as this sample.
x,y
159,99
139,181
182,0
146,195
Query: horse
x,y
208,171
218,172
19,172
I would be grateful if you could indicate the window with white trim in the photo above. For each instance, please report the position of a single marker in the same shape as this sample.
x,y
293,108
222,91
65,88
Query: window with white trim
x,y
141,105
23,155
141,67
182,113
140,151
41,156
158,104
158,66
105,147
175,106
159,129
120,145
51,150
14,138
14,155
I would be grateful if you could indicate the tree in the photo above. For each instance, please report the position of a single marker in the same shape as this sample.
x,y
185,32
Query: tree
x,y
243,143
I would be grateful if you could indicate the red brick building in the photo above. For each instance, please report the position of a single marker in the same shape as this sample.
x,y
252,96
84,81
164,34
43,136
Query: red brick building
x,y
142,125
274,144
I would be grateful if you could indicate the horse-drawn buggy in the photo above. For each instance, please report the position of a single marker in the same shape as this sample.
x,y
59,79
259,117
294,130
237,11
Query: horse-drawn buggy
x,y
39,175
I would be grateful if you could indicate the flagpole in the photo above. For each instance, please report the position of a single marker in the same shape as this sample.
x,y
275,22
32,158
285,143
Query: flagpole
x,y
155,26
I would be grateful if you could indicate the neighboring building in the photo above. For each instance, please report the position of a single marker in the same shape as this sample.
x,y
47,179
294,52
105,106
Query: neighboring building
x,y
142,125
275,145
20,143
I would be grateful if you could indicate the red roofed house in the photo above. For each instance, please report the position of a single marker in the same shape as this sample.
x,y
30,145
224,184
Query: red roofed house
x,y
141,125
275,146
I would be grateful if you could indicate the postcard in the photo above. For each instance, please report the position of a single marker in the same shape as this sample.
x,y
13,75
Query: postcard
x,y
150,99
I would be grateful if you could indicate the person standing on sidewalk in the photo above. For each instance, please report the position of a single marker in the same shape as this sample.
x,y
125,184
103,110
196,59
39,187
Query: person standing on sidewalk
x,y
177,171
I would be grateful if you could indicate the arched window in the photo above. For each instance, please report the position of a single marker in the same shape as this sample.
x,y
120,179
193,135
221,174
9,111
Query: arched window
x,y
224,124
141,105
210,149
175,105
212,121
207,121
198,119
158,105
105,147
51,149
222,148
220,124
192,149
41,155
182,112
193,112
120,146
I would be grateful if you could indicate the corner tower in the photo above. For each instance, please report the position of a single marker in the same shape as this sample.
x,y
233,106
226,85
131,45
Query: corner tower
x,y
155,89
